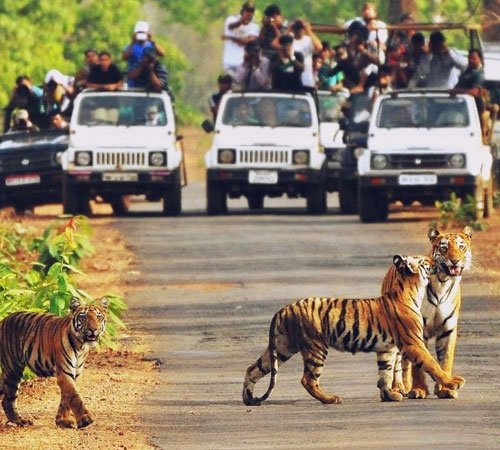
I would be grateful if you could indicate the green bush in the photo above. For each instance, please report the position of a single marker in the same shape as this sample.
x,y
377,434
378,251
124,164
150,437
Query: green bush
x,y
458,212
36,273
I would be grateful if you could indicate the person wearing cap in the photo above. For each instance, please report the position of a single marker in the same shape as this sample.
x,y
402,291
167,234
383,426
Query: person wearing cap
x,y
150,74
306,42
58,91
288,66
25,95
142,39
106,75
238,31
21,121
255,71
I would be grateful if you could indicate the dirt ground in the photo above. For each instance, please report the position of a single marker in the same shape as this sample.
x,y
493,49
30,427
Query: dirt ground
x,y
114,382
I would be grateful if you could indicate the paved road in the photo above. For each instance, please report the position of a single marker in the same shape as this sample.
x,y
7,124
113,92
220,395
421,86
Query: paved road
x,y
214,284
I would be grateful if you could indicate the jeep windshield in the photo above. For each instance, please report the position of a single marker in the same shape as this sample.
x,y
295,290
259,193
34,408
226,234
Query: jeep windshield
x,y
126,110
266,111
416,112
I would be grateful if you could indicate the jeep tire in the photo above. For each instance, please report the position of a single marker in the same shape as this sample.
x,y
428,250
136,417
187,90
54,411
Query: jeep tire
x,y
255,201
216,199
373,206
172,198
348,196
316,199
75,199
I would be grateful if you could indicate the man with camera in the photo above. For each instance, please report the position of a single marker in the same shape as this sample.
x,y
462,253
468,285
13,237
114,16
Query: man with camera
x,y
238,31
150,74
255,71
142,40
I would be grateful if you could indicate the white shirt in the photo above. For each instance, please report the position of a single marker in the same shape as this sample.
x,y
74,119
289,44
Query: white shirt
x,y
233,53
306,47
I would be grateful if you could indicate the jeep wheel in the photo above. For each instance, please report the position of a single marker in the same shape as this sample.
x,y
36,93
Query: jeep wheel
x,y
216,199
172,200
316,200
255,201
373,206
348,196
120,204
75,200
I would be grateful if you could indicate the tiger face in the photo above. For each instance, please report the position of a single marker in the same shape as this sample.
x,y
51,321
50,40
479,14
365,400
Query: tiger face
x,y
451,251
89,321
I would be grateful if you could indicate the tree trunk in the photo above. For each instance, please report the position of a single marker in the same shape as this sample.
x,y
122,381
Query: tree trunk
x,y
399,7
491,20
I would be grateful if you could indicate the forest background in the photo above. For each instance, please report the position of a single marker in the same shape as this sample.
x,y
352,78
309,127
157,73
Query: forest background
x,y
39,35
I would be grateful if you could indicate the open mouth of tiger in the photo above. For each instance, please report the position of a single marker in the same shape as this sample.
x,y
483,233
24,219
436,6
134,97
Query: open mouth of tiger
x,y
452,271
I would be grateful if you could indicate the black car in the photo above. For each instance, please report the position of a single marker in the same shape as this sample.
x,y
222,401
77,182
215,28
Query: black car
x,y
30,168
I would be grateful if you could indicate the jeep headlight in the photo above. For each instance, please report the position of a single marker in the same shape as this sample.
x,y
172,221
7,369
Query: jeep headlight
x,y
457,161
358,152
226,156
300,157
157,159
83,158
379,162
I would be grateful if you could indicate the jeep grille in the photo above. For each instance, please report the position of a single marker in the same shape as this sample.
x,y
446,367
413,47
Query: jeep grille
x,y
418,161
277,157
120,159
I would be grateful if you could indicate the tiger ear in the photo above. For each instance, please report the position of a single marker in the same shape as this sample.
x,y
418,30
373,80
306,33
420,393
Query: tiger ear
x,y
467,231
104,303
399,261
433,233
74,304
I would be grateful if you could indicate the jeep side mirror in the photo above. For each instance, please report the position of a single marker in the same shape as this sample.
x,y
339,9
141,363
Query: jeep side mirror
x,y
207,126
179,137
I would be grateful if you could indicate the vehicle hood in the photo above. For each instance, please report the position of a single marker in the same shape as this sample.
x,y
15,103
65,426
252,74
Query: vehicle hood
x,y
266,136
422,138
331,134
113,137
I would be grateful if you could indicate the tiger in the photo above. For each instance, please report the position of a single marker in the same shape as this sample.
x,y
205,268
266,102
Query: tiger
x,y
50,346
452,254
387,323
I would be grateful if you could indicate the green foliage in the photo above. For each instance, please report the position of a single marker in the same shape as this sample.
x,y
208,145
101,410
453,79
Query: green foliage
x,y
496,199
455,212
46,284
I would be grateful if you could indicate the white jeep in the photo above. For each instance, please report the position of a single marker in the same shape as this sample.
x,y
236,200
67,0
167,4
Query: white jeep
x,y
122,143
423,145
265,144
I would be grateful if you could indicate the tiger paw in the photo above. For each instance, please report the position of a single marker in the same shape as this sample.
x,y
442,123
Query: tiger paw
x,y
331,399
84,421
400,387
446,393
392,395
21,422
418,393
65,423
452,385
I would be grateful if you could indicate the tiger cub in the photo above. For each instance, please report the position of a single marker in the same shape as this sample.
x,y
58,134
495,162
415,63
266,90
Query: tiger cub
x,y
387,323
50,346
452,254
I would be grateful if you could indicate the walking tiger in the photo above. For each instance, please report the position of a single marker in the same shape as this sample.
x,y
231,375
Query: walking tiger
x,y
312,325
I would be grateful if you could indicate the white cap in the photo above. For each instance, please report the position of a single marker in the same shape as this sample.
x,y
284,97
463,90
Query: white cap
x,y
141,30
58,77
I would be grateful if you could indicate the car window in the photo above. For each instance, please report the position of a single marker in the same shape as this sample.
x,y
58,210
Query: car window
x,y
122,110
267,111
416,112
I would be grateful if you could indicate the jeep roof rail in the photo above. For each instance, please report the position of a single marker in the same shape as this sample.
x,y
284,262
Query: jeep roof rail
x,y
270,91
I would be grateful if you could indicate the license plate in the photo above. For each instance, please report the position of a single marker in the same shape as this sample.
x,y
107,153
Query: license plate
x,y
19,180
263,177
120,176
417,179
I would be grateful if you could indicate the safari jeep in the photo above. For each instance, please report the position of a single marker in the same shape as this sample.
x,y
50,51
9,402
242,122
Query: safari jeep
x,y
122,143
265,144
423,145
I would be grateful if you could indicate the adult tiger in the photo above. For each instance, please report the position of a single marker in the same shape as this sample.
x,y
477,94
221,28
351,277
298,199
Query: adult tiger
x,y
440,310
311,325
50,345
